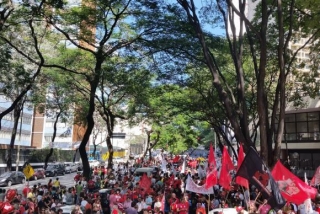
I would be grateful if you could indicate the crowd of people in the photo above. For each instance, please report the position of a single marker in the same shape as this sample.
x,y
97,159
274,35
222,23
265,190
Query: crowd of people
x,y
119,190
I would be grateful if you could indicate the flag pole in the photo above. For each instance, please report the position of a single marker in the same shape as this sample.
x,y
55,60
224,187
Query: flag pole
x,y
209,203
262,205
247,202
255,200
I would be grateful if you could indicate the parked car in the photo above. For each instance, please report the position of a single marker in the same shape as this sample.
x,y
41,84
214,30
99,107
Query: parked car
x,y
94,163
55,169
68,167
38,174
9,178
144,170
74,167
71,167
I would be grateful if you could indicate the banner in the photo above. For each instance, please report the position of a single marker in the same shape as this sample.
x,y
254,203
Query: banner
x,y
116,154
192,187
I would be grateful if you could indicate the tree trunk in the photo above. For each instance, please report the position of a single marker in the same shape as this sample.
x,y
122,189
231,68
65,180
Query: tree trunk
x,y
94,151
90,121
148,144
52,141
150,153
230,111
16,116
110,150
261,96
282,79
75,156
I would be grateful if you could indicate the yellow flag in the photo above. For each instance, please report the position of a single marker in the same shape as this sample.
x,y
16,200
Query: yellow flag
x,y
28,171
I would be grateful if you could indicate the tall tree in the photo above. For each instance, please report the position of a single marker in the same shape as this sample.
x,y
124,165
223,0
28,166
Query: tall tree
x,y
114,22
251,37
123,79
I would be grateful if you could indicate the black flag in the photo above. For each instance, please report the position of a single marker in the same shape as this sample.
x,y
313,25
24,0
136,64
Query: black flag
x,y
254,170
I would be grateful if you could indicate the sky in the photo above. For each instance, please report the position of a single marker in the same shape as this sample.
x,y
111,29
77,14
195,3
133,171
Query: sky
x,y
206,27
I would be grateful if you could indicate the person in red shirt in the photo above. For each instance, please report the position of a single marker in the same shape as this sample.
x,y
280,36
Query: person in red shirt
x,y
26,190
77,177
200,209
91,185
183,206
22,207
173,198
174,206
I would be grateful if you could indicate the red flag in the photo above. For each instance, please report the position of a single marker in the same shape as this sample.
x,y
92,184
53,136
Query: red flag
x,y
316,178
292,188
176,159
240,180
212,174
145,182
163,202
193,163
226,168
211,158
170,180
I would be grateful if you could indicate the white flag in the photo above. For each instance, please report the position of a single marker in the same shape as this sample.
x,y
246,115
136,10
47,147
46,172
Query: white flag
x,y
183,168
164,165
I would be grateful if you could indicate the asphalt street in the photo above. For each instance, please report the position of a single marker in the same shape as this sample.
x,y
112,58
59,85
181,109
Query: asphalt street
x,y
66,180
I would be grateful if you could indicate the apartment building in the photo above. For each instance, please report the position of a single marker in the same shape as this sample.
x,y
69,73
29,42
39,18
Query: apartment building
x,y
24,132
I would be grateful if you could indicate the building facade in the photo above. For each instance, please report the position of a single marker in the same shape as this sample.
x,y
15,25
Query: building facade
x,y
23,137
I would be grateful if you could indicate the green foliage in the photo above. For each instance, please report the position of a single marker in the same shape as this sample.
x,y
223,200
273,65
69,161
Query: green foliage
x,y
39,155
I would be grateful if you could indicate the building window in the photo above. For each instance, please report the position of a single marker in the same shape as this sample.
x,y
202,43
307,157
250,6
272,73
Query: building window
x,y
48,138
290,128
306,161
313,126
301,117
290,118
302,127
313,116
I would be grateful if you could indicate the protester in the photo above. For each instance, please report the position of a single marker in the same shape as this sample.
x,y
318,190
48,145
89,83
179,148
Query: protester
x,y
168,189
